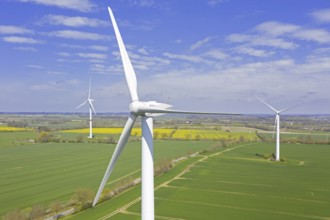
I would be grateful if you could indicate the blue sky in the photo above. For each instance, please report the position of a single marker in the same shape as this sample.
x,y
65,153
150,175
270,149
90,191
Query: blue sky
x,y
214,55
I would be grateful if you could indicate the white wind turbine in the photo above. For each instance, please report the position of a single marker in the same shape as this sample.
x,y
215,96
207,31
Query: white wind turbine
x,y
277,126
147,110
91,108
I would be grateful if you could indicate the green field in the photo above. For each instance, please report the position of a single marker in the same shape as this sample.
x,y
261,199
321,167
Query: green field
x,y
234,183
34,174
10,139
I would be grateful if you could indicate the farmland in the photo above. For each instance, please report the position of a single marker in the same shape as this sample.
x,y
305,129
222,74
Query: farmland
x,y
237,178
177,134
234,183
42,173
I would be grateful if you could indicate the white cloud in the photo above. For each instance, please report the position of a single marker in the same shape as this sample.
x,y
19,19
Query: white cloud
x,y
257,40
317,35
282,80
190,58
239,38
294,31
63,54
78,35
268,34
72,46
214,3
322,51
276,28
99,48
21,40
216,54
147,3
138,25
142,3
69,60
322,15
200,43
93,55
274,42
34,66
27,49
8,29
92,47
79,5
253,52
103,69
73,82
73,21
143,51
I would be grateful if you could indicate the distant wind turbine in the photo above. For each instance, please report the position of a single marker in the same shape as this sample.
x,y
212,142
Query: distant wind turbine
x,y
146,110
277,126
91,108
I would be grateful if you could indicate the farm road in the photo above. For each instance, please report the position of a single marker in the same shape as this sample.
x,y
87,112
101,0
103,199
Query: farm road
x,y
124,208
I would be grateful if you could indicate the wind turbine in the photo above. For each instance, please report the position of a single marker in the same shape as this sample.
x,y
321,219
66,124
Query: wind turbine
x,y
146,110
91,108
277,126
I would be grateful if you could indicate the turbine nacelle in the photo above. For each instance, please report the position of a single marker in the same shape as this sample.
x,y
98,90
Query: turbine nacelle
x,y
138,108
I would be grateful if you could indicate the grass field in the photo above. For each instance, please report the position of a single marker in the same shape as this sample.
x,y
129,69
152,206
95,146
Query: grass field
x,y
10,139
42,173
234,183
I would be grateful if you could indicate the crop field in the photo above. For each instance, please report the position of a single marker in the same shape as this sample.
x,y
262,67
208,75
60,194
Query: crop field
x,y
6,128
33,174
9,139
178,134
212,134
235,183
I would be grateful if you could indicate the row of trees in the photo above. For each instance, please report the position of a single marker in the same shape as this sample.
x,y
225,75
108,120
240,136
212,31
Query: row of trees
x,y
47,137
299,139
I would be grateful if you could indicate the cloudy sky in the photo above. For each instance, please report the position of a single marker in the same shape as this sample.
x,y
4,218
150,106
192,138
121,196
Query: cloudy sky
x,y
214,55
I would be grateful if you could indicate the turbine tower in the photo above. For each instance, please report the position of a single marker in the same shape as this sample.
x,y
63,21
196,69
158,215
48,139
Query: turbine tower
x,y
91,108
277,126
146,110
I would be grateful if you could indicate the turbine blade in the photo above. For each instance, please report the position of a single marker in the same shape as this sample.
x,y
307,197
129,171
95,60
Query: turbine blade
x,y
164,111
91,105
82,104
90,86
267,104
128,68
120,146
283,110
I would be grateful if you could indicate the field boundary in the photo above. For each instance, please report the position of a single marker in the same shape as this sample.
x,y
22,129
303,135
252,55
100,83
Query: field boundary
x,y
124,208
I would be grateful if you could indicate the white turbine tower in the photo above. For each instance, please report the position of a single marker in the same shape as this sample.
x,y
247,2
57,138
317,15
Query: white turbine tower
x,y
91,108
146,110
277,126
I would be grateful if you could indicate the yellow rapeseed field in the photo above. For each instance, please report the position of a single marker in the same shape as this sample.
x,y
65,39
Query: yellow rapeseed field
x,y
178,134
211,135
5,128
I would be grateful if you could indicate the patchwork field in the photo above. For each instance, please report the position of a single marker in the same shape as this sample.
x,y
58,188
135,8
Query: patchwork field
x,y
234,183
33,174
